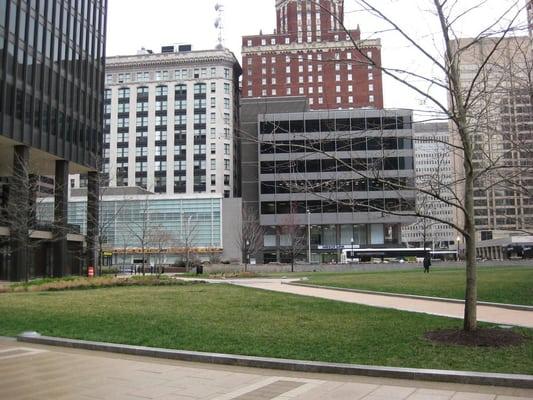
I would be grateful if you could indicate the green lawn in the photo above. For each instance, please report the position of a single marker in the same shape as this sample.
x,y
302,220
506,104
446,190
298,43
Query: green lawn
x,y
512,285
229,319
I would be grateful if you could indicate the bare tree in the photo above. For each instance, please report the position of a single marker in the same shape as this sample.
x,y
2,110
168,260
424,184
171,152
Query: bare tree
x,y
142,230
472,100
161,240
188,238
293,239
26,214
249,237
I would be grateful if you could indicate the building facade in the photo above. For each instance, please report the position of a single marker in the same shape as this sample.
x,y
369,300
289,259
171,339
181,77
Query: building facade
x,y
433,165
166,225
501,112
52,56
345,177
171,122
309,54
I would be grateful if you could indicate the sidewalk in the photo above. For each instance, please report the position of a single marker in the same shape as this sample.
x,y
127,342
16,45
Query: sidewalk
x,y
42,372
485,313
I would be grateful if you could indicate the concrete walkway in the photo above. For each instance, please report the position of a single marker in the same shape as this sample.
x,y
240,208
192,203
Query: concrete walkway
x,y
42,372
491,314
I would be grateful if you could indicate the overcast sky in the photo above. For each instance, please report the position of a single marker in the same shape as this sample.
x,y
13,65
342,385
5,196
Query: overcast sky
x,y
133,24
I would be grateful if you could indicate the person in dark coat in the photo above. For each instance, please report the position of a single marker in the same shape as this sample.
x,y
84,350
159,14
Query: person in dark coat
x,y
427,263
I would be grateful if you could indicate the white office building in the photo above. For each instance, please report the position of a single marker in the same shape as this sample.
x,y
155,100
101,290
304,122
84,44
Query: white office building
x,y
171,122
433,163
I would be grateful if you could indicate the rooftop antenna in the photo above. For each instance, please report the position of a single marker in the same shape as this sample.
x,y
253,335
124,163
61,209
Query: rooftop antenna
x,y
219,8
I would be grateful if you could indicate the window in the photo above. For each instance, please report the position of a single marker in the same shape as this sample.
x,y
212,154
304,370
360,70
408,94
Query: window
x,y
160,120
180,119
227,180
199,149
213,71
200,104
123,107
213,165
123,93
199,118
371,98
226,104
226,164
161,105
143,90
161,91
160,136
180,104
226,73
226,88
213,87
200,88
213,118
123,122
226,149
226,118
180,165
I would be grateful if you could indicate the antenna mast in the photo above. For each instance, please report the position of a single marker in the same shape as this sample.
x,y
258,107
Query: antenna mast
x,y
219,24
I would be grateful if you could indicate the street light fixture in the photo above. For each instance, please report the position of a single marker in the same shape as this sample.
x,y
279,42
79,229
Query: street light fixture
x,y
352,257
246,255
458,239
308,236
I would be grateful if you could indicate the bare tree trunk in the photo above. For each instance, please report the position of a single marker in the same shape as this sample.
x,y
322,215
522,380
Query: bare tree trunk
x,y
470,316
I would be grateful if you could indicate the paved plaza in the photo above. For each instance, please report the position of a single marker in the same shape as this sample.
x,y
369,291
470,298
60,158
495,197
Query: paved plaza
x,y
31,372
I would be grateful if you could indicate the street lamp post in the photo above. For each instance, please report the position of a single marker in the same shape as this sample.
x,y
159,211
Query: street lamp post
x,y
352,257
246,255
457,248
308,237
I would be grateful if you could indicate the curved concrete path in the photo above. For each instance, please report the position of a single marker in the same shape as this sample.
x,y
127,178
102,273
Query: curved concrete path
x,y
485,313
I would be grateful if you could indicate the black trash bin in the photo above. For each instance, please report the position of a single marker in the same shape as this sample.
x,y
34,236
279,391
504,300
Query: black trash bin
x,y
199,269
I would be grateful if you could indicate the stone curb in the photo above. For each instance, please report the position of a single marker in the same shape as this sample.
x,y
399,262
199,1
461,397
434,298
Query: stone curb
x,y
462,377
413,296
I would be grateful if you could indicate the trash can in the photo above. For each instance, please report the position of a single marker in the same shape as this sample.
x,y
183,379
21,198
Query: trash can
x,y
199,269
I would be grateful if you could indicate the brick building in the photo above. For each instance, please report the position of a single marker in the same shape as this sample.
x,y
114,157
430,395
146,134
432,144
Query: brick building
x,y
309,54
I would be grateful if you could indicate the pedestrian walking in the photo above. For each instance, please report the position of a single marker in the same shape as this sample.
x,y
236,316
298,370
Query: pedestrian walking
x,y
427,263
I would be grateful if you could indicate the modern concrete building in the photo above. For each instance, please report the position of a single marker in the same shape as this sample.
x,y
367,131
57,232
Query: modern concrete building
x,y
172,121
309,54
339,175
501,114
51,102
433,167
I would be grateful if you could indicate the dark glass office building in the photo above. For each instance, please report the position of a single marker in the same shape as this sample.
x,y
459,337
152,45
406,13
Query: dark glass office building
x,y
52,55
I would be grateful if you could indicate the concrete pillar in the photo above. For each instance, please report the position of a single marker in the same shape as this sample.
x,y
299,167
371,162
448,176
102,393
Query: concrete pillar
x,y
93,199
19,214
60,266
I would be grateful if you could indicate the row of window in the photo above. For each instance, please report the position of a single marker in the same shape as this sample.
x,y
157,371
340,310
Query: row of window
x,y
333,186
335,125
178,74
341,144
340,206
337,165
162,90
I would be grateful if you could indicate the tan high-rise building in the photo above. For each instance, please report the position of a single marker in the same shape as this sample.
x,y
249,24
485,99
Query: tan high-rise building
x,y
501,118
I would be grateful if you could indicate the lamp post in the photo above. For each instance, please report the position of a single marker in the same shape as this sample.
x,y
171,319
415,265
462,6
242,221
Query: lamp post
x,y
246,255
458,241
308,236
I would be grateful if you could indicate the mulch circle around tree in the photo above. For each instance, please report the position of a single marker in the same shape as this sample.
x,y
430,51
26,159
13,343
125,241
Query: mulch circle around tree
x,y
478,338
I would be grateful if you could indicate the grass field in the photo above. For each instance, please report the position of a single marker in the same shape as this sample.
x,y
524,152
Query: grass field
x,y
229,319
512,285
